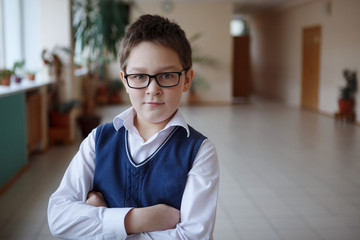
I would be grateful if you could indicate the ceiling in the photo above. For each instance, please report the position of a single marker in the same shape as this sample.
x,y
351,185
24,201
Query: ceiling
x,y
250,6
244,6
253,6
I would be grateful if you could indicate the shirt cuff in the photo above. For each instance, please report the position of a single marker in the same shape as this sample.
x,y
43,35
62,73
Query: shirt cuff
x,y
114,222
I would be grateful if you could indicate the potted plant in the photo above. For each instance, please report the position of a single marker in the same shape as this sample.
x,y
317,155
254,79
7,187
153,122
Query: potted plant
x,y
199,82
114,89
98,27
30,75
18,70
347,93
5,76
59,112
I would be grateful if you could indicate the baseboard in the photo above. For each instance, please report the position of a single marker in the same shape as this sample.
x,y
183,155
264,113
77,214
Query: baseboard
x,y
13,179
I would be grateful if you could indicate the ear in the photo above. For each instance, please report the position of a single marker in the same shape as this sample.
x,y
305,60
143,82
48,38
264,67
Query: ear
x,y
122,76
189,75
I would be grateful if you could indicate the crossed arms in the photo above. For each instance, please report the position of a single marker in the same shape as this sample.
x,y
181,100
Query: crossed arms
x,y
70,217
148,219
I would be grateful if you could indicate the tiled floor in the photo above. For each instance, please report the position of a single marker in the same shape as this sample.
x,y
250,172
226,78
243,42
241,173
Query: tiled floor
x,y
286,174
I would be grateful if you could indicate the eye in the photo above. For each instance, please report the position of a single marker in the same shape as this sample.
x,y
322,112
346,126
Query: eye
x,y
167,75
137,77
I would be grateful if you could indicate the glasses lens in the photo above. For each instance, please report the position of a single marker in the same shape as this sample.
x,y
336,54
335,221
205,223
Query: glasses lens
x,y
168,79
137,80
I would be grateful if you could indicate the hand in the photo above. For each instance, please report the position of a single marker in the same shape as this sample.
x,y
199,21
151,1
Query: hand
x,y
155,218
96,199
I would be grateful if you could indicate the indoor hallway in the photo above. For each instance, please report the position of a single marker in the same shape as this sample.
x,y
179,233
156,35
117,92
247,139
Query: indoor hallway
x,y
286,174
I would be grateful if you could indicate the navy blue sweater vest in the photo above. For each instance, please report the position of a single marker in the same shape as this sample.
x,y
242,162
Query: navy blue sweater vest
x,y
160,178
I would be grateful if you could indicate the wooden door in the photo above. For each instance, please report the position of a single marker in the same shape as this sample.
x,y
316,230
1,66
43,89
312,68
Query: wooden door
x,y
34,123
241,67
311,45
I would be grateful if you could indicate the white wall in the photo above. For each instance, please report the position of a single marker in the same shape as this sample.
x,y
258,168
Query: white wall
x,y
276,50
55,30
55,23
212,20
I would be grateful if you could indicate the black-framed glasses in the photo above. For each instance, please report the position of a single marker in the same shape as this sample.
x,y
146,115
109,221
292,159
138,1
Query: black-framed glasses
x,y
163,79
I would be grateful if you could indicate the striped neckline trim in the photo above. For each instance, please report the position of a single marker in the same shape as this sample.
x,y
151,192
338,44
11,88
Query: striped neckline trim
x,y
151,156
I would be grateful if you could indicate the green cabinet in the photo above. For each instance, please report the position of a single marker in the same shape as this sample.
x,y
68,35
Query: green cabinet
x,y
13,135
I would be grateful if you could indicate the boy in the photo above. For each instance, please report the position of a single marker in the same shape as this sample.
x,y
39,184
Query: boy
x,y
147,175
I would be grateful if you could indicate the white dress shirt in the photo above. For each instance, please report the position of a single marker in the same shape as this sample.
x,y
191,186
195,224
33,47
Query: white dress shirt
x,y
71,218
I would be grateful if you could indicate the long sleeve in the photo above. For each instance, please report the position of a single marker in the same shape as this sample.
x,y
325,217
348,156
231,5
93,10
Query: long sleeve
x,y
198,206
69,216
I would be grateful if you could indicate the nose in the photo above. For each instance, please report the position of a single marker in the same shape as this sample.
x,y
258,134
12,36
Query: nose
x,y
153,88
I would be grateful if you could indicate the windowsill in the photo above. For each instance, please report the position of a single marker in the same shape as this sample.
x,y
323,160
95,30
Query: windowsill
x,y
25,85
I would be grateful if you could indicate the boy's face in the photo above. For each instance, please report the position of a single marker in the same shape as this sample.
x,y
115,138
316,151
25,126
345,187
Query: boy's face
x,y
155,104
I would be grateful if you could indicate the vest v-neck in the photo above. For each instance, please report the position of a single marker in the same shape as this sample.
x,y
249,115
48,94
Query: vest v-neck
x,y
143,162
160,178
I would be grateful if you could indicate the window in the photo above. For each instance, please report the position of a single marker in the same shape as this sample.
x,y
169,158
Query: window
x,y
11,34
2,44
19,33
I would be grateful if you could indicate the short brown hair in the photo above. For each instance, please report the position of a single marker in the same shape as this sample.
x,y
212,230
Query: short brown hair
x,y
157,29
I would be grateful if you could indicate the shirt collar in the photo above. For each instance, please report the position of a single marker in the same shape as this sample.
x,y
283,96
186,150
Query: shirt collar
x,y
126,119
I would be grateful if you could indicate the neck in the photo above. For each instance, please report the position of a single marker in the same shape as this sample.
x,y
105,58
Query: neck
x,y
146,129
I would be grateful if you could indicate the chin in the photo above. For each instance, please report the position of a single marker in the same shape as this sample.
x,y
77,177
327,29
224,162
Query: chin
x,y
159,119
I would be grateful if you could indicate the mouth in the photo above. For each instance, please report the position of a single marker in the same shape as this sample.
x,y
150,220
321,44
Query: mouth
x,y
153,104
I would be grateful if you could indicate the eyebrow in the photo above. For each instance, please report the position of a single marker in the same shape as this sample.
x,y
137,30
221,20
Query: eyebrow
x,y
170,68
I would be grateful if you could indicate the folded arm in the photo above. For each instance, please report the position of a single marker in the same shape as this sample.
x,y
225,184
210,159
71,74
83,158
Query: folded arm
x,y
199,202
148,219
69,216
